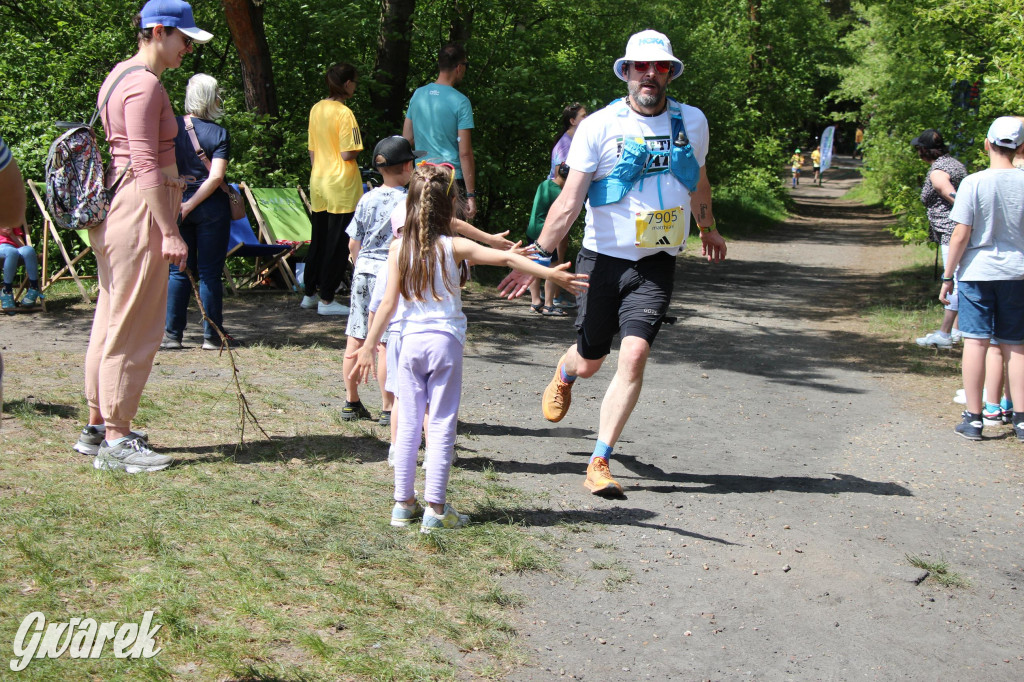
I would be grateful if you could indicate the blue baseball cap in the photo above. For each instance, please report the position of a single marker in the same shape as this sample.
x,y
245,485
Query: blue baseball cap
x,y
176,14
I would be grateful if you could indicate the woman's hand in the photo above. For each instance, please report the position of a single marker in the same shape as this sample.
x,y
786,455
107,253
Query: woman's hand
x,y
186,208
175,251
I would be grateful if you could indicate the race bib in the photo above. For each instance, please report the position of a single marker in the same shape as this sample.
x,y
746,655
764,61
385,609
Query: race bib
x,y
660,229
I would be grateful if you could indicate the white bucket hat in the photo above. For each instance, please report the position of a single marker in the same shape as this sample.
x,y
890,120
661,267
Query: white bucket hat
x,y
648,46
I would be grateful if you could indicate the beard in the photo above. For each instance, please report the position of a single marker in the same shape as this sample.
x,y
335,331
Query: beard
x,y
642,99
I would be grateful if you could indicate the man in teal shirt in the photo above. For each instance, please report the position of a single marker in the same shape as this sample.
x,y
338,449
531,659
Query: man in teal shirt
x,y
440,119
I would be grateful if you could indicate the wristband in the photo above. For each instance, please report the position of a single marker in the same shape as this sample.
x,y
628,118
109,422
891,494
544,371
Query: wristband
x,y
543,260
471,195
539,250
714,224
947,279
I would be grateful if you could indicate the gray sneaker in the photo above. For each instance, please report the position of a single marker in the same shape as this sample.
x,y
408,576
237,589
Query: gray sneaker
x,y
170,342
131,456
451,519
91,437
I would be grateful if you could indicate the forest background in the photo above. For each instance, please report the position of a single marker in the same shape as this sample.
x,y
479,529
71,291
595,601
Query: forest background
x,y
769,75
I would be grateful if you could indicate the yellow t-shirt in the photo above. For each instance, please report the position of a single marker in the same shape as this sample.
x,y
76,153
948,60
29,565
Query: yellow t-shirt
x,y
815,158
334,185
796,161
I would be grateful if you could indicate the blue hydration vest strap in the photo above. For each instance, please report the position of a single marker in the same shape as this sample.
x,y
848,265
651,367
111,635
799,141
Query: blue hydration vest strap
x,y
635,156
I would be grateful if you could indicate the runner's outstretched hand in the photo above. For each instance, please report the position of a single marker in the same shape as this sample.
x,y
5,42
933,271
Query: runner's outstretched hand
x,y
713,246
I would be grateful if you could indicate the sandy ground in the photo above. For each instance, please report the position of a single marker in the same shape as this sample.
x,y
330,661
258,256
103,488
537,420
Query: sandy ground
x,y
778,472
779,468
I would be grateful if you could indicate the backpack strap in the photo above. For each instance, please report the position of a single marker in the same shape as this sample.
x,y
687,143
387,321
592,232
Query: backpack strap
x,y
113,86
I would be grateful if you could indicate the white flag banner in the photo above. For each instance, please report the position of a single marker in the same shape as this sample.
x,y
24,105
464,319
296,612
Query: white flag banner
x,y
826,147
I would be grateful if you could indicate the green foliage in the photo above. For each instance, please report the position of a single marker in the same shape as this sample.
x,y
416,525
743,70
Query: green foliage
x,y
759,82
907,55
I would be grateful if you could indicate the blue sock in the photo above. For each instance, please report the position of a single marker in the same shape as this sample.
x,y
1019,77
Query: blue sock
x,y
602,449
116,441
567,378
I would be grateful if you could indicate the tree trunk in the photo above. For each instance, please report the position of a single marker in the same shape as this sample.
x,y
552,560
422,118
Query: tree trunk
x,y
462,22
391,72
245,23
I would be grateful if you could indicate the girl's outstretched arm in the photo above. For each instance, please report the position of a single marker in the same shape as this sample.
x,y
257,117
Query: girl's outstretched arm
x,y
495,241
465,249
365,363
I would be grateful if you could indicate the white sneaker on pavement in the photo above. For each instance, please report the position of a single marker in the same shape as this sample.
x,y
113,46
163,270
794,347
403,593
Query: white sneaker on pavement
x,y
937,339
332,308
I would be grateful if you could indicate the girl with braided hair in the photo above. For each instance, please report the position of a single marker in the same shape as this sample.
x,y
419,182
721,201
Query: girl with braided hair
x,y
424,286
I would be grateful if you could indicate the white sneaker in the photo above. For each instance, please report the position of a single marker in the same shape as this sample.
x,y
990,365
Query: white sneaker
x,y
937,339
391,456
309,302
332,308
956,335
960,397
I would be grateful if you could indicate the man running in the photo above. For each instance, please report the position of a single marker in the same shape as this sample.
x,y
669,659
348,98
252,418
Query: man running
x,y
639,165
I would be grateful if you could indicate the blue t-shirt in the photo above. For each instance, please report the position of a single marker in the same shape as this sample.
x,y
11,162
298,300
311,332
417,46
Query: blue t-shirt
x,y
5,154
438,113
214,140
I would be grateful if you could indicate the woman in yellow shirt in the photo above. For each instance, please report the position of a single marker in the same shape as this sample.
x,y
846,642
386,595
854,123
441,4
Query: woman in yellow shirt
x,y
795,162
335,186
816,162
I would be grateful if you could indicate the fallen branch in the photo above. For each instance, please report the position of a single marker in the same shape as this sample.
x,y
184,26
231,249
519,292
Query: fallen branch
x,y
245,413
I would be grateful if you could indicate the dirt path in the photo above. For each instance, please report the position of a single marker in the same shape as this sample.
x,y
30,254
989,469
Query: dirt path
x,y
778,474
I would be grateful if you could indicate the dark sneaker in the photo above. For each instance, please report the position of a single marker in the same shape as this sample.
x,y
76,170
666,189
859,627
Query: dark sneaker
x,y
1018,425
970,427
353,411
170,342
132,456
90,439
385,418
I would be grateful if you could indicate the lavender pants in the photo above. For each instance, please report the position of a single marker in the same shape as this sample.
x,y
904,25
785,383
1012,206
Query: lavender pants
x,y
429,371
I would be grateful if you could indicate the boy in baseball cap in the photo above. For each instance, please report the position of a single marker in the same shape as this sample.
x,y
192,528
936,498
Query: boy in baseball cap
x,y
988,245
370,237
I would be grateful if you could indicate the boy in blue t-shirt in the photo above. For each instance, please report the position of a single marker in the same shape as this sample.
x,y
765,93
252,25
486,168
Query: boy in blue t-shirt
x,y
988,246
370,237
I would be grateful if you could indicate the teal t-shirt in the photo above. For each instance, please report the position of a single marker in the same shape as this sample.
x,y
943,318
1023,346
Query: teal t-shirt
x,y
547,192
438,113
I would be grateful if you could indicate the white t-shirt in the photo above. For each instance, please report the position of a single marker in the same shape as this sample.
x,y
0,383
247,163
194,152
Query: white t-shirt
x,y
596,146
992,203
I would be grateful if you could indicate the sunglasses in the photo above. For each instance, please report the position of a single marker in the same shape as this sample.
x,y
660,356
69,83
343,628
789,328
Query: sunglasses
x,y
187,41
660,67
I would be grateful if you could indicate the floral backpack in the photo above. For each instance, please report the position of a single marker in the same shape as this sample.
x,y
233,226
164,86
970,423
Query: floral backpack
x,y
75,191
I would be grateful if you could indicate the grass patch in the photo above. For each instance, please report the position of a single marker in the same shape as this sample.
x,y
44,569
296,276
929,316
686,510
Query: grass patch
x,y
275,560
939,572
864,193
740,215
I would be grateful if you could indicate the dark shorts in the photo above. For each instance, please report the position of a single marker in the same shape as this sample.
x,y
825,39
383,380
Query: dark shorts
x,y
625,297
992,310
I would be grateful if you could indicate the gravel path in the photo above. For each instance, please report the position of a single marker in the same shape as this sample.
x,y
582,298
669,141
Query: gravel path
x,y
777,471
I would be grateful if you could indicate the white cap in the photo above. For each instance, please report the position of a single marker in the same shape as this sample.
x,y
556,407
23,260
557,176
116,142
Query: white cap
x,y
648,46
1006,131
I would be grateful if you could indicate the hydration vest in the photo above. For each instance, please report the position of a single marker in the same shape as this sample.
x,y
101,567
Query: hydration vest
x,y
635,156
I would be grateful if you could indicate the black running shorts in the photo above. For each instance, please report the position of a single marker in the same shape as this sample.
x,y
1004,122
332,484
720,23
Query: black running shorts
x,y
628,297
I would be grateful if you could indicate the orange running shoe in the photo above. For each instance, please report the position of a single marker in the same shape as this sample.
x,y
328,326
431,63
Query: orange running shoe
x,y
599,479
557,396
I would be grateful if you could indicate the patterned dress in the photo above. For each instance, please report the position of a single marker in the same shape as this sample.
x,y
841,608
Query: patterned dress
x,y
941,227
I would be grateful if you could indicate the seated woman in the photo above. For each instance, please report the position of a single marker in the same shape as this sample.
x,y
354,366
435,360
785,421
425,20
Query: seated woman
x,y
12,250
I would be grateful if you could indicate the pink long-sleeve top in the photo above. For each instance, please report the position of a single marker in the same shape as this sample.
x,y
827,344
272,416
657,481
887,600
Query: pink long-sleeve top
x,y
139,123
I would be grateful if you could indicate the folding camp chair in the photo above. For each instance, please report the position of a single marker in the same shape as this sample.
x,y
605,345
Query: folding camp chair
x,y
282,214
244,243
50,232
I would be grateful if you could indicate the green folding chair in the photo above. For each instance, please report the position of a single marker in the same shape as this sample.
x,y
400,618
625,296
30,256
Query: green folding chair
x,y
282,214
